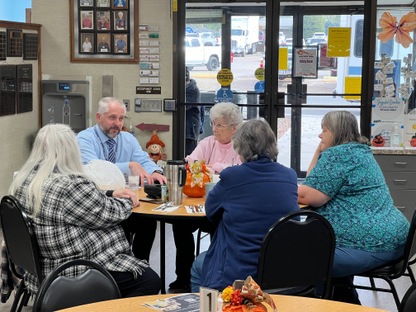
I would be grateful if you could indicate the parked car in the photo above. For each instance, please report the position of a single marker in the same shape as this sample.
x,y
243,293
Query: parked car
x,y
199,55
289,42
208,38
315,41
319,35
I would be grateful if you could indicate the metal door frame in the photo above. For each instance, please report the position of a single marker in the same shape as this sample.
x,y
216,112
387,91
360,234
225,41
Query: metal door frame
x,y
271,96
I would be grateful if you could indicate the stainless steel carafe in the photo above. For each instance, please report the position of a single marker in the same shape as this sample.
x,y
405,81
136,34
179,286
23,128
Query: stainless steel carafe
x,y
175,172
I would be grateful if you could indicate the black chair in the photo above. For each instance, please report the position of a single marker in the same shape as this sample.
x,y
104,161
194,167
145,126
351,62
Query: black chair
x,y
296,256
23,253
408,303
21,245
60,292
394,269
199,237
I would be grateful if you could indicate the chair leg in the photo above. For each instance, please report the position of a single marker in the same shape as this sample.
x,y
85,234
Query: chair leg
x,y
24,301
394,292
19,292
411,275
198,242
372,283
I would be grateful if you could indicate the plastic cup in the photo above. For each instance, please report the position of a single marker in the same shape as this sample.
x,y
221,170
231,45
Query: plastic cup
x,y
208,187
134,182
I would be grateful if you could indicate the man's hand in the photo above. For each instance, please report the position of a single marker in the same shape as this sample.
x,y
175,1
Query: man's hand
x,y
137,169
161,178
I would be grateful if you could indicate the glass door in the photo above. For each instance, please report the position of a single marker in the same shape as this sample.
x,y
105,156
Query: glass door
x,y
258,45
226,38
320,69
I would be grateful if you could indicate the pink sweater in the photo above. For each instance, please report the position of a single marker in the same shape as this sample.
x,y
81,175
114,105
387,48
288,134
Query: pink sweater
x,y
216,155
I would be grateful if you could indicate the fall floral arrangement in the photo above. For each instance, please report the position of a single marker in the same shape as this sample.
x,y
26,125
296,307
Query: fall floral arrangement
x,y
246,297
197,174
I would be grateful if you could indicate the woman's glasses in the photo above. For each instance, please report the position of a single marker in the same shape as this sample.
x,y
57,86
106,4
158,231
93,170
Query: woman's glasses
x,y
218,125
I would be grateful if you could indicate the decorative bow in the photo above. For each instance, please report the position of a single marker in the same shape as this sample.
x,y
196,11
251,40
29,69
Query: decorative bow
x,y
401,30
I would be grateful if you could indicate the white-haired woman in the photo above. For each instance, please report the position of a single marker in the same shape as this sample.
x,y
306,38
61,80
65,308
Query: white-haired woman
x,y
218,153
73,219
217,150
243,205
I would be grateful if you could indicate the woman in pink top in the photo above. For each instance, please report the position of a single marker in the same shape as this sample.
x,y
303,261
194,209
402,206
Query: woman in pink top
x,y
217,150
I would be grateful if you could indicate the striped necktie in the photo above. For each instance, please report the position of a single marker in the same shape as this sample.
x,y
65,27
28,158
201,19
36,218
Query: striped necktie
x,y
111,150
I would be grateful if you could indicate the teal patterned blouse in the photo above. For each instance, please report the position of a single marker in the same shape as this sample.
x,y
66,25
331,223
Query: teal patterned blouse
x,y
360,210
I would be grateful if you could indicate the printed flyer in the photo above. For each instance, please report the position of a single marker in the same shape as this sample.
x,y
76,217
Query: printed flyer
x,y
387,126
183,303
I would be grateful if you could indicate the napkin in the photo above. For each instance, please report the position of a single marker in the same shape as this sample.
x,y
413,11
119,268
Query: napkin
x,y
166,207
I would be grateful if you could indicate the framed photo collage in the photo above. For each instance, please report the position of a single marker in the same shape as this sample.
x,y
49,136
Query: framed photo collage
x,y
103,30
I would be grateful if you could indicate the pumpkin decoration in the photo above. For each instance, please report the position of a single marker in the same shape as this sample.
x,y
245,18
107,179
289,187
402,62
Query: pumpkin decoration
x,y
378,141
247,297
197,174
413,141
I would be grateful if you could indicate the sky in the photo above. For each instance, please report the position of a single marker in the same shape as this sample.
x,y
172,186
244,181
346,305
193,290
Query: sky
x,y
14,11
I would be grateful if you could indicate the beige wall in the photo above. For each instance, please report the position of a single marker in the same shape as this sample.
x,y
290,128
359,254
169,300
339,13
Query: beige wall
x,y
53,15
17,130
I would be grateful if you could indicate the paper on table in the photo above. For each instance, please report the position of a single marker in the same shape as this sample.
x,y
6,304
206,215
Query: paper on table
x,y
185,302
166,208
195,209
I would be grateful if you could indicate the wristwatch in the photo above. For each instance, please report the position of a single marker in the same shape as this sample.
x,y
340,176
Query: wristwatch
x,y
158,171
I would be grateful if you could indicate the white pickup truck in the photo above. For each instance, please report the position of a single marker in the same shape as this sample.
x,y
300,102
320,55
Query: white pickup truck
x,y
199,55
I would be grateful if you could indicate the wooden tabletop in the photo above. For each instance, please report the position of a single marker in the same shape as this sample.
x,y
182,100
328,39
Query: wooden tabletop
x,y
147,208
283,304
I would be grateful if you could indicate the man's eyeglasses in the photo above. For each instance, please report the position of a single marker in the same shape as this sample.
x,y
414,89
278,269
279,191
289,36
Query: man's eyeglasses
x,y
219,126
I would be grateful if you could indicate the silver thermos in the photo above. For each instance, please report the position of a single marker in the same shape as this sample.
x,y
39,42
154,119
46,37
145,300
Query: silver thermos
x,y
175,172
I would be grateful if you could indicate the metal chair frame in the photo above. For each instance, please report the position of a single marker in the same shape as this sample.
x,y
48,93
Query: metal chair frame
x,y
394,269
22,247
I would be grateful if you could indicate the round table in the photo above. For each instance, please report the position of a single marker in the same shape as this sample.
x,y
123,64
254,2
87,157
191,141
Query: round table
x,y
283,304
146,210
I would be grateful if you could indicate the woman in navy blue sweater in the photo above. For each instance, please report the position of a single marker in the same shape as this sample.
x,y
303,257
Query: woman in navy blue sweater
x,y
243,205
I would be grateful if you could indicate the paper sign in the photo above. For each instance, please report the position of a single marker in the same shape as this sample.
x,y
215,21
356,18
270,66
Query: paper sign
x,y
339,41
208,301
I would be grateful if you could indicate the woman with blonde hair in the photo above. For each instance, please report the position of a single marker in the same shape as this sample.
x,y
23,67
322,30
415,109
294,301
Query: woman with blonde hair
x,y
73,219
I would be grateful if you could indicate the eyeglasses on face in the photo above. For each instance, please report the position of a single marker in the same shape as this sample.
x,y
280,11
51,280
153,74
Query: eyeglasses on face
x,y
218,125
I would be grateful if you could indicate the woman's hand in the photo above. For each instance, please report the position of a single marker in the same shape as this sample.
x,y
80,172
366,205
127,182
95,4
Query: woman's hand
x,y
315,157
126,193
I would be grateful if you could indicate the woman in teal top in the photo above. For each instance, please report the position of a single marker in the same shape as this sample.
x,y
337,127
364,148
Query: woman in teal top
x,y
348,188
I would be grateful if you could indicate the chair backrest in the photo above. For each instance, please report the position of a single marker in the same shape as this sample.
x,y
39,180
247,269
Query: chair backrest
x,y
297,251
410,246
20,239
59,292
408,303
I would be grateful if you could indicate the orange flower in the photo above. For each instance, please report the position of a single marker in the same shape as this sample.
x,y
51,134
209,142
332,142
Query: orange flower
x,y
390,28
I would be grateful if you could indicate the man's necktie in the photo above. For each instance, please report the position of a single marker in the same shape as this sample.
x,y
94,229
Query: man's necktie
x,y
111,150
